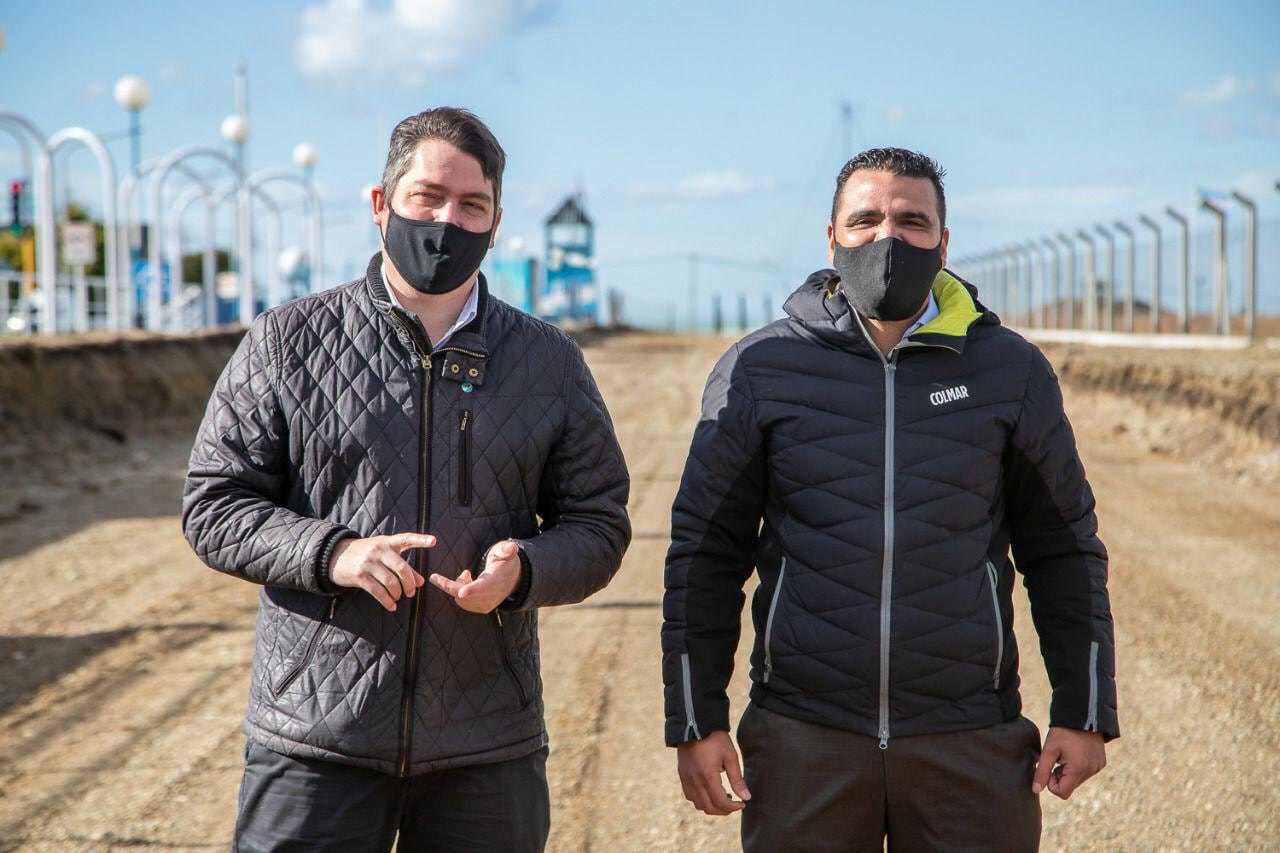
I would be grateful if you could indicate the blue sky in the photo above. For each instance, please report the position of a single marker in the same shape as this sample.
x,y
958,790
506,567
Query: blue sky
x,y
708,127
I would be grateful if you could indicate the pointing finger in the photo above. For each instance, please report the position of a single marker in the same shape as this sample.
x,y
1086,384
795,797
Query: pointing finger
x,y
407,541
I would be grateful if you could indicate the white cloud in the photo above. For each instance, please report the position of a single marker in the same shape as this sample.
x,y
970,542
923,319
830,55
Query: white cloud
x,y
97,89
1224,90
408,40
896,113
706,185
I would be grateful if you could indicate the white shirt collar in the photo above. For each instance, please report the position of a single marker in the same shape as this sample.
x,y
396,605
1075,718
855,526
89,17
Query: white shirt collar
x,y
931,313
468,313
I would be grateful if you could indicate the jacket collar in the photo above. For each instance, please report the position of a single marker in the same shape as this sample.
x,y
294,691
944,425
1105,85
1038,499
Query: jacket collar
x,y
463,359
820,306
470,338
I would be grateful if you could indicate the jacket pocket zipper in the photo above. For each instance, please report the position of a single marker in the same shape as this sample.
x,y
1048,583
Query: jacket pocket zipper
x,y
506,660
293,673
995,607
768,625
464,459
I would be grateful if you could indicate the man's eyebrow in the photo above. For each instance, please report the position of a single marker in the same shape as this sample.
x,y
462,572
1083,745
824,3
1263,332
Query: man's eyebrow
x,y
429,185
913,214
867,212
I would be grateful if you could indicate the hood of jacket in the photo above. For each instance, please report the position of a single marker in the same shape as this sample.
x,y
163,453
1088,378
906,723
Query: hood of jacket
x,y
820,306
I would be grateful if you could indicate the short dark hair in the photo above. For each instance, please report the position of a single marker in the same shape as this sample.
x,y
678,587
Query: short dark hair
x,y
454,125
898,161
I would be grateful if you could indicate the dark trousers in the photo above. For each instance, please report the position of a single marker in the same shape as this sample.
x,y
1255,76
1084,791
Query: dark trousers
x,y
312,805
817,789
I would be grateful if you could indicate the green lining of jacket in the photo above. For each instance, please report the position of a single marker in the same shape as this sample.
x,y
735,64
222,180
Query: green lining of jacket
x,y
957,312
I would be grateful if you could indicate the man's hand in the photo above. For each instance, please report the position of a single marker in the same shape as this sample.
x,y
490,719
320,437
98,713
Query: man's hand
x,y
1069,758
700,763
495,584
375,565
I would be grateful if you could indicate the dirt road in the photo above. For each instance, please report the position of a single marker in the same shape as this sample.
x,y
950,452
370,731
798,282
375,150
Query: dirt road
x,y
124,662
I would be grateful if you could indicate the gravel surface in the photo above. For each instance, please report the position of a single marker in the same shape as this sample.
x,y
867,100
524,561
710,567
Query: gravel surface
x,y
124,662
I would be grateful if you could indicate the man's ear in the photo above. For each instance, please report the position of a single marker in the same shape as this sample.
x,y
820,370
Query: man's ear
x,y
946,237
831,243
378,200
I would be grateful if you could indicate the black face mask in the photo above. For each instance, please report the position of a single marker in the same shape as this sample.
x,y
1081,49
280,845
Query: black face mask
x,y
433,257
888,279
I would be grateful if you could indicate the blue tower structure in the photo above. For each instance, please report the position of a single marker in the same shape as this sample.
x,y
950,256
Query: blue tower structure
x,y
569,286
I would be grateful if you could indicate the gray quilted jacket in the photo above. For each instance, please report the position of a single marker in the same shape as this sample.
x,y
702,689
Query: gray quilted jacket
x,y
879,500
333,419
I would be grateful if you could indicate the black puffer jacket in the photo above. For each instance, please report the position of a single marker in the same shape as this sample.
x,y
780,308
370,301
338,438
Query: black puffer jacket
x,y
878,499
328,422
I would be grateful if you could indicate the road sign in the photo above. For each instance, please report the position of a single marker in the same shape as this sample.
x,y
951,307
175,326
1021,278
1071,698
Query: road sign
x,y
79,248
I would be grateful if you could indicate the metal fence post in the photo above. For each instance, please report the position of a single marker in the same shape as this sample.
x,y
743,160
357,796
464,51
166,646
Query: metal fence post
x,y
1153,312
1221,310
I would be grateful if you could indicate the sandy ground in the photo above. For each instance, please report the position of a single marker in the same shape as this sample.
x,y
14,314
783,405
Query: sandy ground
x,y
124,662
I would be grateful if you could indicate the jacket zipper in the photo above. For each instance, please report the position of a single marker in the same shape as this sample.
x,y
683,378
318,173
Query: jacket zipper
x,y
995,606
1091,721
294,672
464,459
768,625
506,660
415,617
886,568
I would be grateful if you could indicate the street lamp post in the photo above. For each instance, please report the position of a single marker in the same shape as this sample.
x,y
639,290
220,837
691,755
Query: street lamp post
x,y
132,93
306,156
236,130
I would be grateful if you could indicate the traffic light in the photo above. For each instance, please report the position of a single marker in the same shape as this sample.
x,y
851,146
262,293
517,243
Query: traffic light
x,y
15,200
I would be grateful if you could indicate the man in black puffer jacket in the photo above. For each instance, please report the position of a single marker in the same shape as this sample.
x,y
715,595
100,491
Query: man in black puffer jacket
x,y
406,412
875,457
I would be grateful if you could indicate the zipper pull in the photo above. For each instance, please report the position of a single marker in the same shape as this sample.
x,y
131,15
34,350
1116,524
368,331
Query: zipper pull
x,y
498,615
884,742
333,606
466,416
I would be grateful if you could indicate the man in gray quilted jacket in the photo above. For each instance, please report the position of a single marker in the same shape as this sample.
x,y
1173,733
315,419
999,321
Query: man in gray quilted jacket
x,y
403,428
876,457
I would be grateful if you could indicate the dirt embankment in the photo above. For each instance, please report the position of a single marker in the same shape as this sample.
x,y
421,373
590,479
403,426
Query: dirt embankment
x,y
108,386
1240,387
